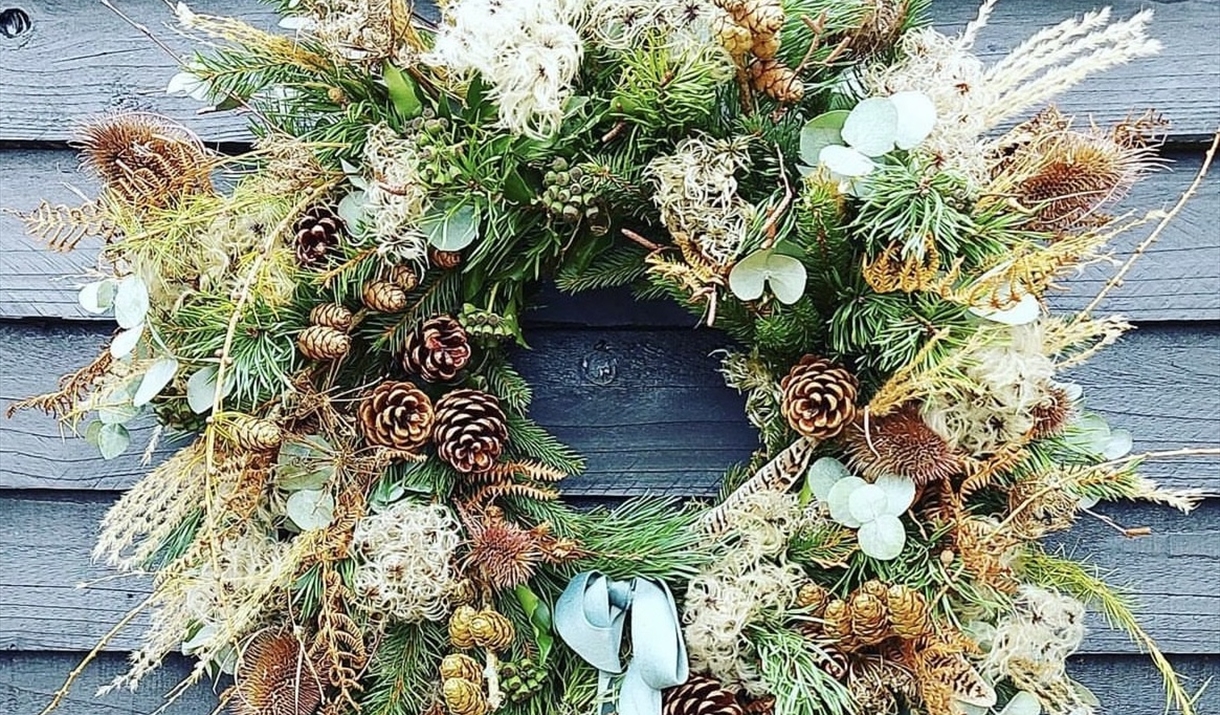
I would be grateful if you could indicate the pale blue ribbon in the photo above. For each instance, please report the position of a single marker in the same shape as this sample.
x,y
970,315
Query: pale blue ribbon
x,y
590,617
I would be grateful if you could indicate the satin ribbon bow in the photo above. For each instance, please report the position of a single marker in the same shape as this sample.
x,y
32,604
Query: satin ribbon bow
x,y
590,617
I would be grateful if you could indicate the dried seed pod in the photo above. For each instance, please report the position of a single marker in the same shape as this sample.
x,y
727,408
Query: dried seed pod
x,y
331,315
384,297
491,630
320,342
900,443
463,667
459,627
274,677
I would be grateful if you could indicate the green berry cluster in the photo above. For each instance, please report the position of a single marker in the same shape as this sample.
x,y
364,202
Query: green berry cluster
x,y
567,194
484,323
521,679
438,164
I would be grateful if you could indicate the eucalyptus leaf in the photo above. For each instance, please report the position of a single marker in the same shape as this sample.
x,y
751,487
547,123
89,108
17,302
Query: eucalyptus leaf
x,y
820,132
785,275
824,474
159,374
883,538
117,413
451,228
845,161
352,208
839,500
199,639
125,341
131,302
899,493
113,440
1087,502
1119,445
1026,310
310,509
91,432
201,389
304,464
190,85
866,503
916,118
871,127
1022,704
1073,390
97,297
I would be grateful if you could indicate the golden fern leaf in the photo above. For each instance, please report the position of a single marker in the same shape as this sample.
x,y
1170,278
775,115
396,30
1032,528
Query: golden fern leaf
x,y
62,227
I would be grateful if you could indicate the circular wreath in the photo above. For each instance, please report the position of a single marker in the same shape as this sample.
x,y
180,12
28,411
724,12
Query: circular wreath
x,y
367,520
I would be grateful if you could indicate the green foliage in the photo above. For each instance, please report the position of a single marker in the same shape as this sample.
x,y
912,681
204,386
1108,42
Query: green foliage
x,y
404,668
792,670
664,89
652,538
527,439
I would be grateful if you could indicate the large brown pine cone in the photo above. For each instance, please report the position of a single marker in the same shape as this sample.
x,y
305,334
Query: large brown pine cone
x,y
699,695
397,415
819,397
437,349
318,233
470,430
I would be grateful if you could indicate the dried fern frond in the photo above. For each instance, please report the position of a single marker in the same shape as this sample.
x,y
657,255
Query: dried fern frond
x,y
72,388
145,161
338,647
62,227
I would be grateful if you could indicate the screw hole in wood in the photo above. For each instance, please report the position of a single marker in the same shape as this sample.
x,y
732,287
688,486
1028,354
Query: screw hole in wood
x,y
14,21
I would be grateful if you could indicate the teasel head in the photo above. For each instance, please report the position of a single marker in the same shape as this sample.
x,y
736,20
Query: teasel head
x,y
1051,415
145,161
275,677
902,444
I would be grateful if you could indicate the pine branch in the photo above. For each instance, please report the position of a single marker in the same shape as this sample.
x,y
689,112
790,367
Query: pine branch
x,y
527,438
621,265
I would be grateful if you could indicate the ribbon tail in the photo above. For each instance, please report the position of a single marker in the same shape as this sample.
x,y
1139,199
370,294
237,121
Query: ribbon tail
x,y
659,660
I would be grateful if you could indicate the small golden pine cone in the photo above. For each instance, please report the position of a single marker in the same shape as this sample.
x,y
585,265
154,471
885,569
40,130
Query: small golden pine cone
x,y
404,277
492,630
331,315
462,667
735,39
463,592
397,415
873,587
256,434
470,430
463,697
445,260
321,342
819,398
763,18
384,297
766,47
870,619
813,597
909,613
836,624
777,81
459,627
437,349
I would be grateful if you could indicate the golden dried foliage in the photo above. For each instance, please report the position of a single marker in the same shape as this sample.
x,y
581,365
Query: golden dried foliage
x,y
338,646
144,161
944,675
275,677
282,49
63,227
72,388
892,271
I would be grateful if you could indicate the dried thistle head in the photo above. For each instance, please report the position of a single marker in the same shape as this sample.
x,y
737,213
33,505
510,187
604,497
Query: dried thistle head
x,y
145,161
900,443
502,555
1064,177
1051,415
274,677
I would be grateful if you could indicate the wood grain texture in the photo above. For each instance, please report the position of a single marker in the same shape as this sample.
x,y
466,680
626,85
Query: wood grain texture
x,y
645,406
45,541
78,60
1126,684
1179,279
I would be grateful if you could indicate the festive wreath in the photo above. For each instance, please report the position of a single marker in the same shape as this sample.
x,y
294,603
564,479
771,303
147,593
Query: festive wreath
x,y
367,520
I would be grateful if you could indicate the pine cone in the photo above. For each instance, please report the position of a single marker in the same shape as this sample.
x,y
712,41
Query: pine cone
x,y
699,695
836,624
445,260
819,398
319,342
459,627
735,39
766,48
437,350
909,612
777,81
462,667
463,697
870,619
256,434
331,315
470,430
397,415
762,18
492,630
813,597
318,233
404,277
384,297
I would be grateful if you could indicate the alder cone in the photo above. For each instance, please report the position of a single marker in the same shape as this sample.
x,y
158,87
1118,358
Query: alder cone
x,y
318,234
699,695
437,350
321,342
819,398
332,315
384,297
397,415
470,430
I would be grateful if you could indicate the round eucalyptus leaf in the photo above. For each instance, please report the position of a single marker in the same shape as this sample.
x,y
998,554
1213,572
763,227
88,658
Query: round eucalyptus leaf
x,y
916,118
451,228
820,132
749,276
824,474
1072,390
97,297
899,493
126,341
117,413
883,538
867,503
201,389
310,509
92,431
872,126
199,639
1119,445
159,374
787,277
112,440
1087,502
1090,433
844,161
1086,696
190,85
352,209
839,500
969,708
226,660
1022,704
131,302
